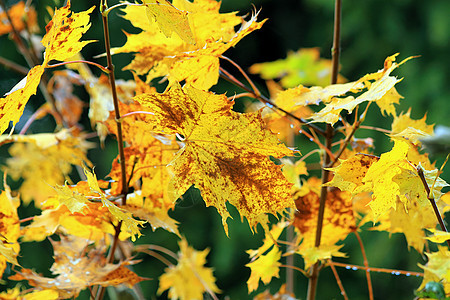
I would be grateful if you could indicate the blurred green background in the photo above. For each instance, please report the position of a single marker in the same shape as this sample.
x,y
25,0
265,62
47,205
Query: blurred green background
x,y
371,31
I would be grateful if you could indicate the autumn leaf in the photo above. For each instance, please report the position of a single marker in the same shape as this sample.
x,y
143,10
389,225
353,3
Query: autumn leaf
x,y
44,160
170,19
301,67
196,63
73,200
61,42
77,270
269,239
131,225
323,252
9,228
349,174
437,267
438,236
338,220
189,279
264,268
225,153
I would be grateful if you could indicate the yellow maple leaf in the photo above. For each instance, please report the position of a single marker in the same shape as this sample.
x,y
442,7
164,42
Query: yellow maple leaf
x,y
438,236
264,268
349,174
311,255
269,239
301,67
170,19
404,126
120,214
61,42
379,178
74,201
189,279
437,267
338,220
225,153
196,63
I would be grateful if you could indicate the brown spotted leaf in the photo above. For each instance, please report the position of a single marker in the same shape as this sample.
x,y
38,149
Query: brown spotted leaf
x,y
225,153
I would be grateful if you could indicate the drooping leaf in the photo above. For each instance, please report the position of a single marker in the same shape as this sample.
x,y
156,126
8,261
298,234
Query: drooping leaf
x,y
189,279
224,154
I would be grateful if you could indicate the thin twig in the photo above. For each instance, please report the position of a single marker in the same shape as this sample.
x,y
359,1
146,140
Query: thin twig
x,y
13,66
366,264
295,268
230,78
252,84
338,281
432,200
372,269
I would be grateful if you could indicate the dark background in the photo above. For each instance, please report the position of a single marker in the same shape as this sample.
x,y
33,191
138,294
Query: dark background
x,y
371,31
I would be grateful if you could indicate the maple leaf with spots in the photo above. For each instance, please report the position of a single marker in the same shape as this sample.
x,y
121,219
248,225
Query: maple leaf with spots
x,y
225,153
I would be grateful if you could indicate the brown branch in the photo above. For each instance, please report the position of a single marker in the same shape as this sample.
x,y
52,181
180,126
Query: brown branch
x,y
366,264
112,81
329,133
432,200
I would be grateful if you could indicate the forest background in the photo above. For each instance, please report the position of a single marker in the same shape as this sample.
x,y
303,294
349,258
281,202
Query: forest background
x,y
371,31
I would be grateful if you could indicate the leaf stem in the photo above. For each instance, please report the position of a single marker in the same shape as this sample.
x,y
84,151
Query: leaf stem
x,y
432,200
329,134
230,78
106,70
366,264
252,84
108,10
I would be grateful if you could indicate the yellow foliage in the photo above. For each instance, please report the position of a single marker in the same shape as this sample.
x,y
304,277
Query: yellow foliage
x,y
189,279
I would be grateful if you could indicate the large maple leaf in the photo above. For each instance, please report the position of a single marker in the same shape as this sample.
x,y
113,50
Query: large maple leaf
x,y
225,153
61,42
